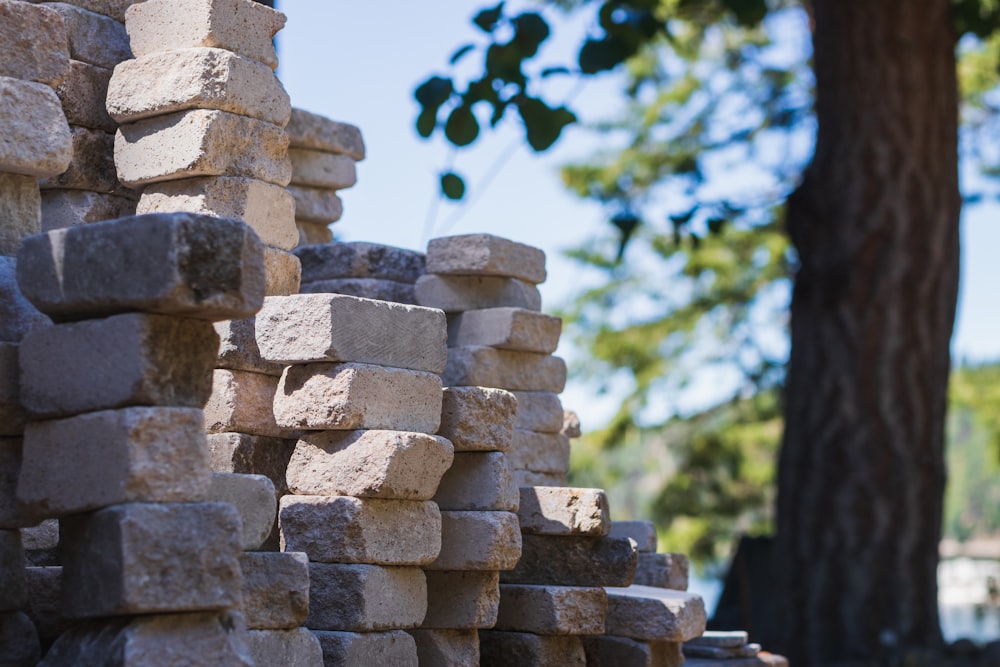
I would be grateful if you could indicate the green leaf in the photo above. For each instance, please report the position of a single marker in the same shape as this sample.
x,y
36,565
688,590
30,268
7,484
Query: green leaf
x,y
626,223
600,55
434,92
503,63
455,57
452,186
461,128
530,30
487,19
426,122
749,13
542,123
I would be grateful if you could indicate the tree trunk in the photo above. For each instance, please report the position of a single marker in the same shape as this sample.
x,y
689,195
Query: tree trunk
x,y
875,223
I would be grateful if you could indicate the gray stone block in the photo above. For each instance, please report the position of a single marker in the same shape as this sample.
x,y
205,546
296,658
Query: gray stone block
x,y
505,328
662,571
45,603
275,590
478,481
309,130
287,648
651,614
318,169
574,561
34,45
608,651
734,639
238,349
66,208
254,454
552,610
20,209
83,93
454,294
643,532
531,478
17,315
12,414
36,138
478,541
317,205
253,497
242,402
13,588
465,600
366,288
313,233
12,513
93,38
447,648
515,371
365,598
19,645
360,260
92,167
503,649
113,8
485,255
564,511
478,418
385,649
540,452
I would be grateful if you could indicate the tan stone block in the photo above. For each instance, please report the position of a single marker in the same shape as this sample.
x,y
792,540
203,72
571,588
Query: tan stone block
x,y
241,26
360,260
643,532
35,139
608,651
478,418
312,233
447,648
18,640
540,452
201,142
454,294
114,456
12,414
342,529
13,587
564,511
465,600
505,328
83,93
20,211
196,78
45,603
317,169
316,205
369,464
353,396
647,613
253,454
485,255
663,571
366,288
570,560
289,648
309,130
502,649
268,209
478,481
120,361
65,208
92,167
516,371
275,590
253,497
552,610
113,8
34,45
238,348
365,598
282,272
531,478
12,514
311,328
242,402
539,411
386,649
17,315
151,558
478,541
93,38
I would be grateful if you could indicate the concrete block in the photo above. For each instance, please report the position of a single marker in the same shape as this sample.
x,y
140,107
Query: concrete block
x,y
310,328
201,142
196,78
342,529
365,598
311,233
309,130
19,645
65,208
316,205
113,8
394,465
651,614
505,328
34,45
608,651
238,349
36,139
516,371
282,272
552,610
465,600
13,587
318,169
244,27
662,571
567,560
447,648
11,411
242,402
478,481
289,648
120,361
358,396
45,603
92,167
478,541
12,514
17,315
454,294
540,452
20,211
531,478
360,260
386,649
254,454
485,255
366,288
564,511
643,532
253,497
93,38
478,418
268,209
502,649
275,590
174,264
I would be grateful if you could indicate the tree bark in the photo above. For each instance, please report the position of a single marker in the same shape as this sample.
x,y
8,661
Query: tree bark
x,y
875,224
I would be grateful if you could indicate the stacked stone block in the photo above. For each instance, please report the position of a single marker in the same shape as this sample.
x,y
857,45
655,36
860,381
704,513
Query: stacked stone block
x,y
361,269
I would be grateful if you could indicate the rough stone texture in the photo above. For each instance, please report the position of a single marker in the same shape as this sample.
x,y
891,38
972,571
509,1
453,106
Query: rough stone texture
x,y
503,649
19,645
384,649
358,396
13,588
518,371
92,167
478,418
447,648
193,639
196,78
552,610
20,209
287,648
316,205
34,45
268,209
478,481
540,452
65,208
485,255
318,169
242,402
93,38
173,264
12,514
45,603
646,613
253,497
201,142
309,130
36,140
17,315
43,536
282,272
365,598
643,532
367,288
662,571
311,233
124,360
505,328
151,558
574,561
254,454
310,328
83,93
342,529
608,651
98,459
238,348
564,511
369,464
360,260
113,8
11,411
464,600
531,478
478,541
454,294
275,590
734,639
241,26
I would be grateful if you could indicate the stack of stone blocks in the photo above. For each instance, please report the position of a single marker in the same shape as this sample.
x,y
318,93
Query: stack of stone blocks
x,y
361,269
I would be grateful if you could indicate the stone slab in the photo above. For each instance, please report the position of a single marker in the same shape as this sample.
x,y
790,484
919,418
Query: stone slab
x,y
719,653
312,233
65,208
502,649
478,419
539,411
275,590
253,497
318,169
343,529
574,561
12,414
289,648
316,205
93,38
540,452
241,402
358,396
531,478
238,349
82,94
478,481
367,288
17,315
19,645
564,511
643,532
485,255
365,598
762,660
151,558
20,211
104,458
45,603
385,649
36,140
282,272
552,610
650,614
447,648
474,540
515,371
395,465
310,130
92,167
454,294
360,260
663,571
13,586
34,44
463,600
113,8
12,514
722,639
254,454
505,328
608,651
310,328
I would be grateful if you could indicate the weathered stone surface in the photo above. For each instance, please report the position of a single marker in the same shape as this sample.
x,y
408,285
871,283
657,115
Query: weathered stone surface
x,y
531,478
253,497
385,649
502,649
564,511
287,648
93,38
268,209
358,396
369,464
489,367
316,205
254,454
643,532
45,603
244,27
196,78
20,210
646,613
541,452
65,208
34,45
608,651
505,328
13,588
318,169
366,288
11,411
92,167
238,348
19,645
17,315
454,294
485,255
552,610
12,515
104,458
282,272
113,8
201,142
721,639
447,648
478,541
462,599
312,233
120,361
43,536
662,571
242,402
365,598
275,590
571,425
360,260
173,264
478,481
574,561
719,653
36,139
309,130
342,529
478,418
